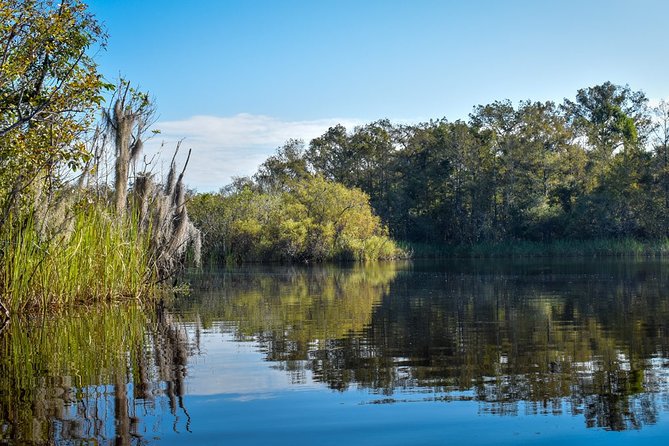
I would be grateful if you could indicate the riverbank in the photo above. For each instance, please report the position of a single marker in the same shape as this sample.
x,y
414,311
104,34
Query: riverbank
x,y
557,248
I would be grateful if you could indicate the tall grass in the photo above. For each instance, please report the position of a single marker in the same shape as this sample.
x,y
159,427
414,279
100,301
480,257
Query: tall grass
x,y
559,248
100,257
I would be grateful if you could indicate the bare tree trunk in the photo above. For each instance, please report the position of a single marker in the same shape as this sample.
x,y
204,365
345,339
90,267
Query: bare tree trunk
x,y
123,121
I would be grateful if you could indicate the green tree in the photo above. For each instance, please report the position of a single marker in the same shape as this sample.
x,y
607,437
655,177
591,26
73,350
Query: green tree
x,y
331,156
313,220
614,124
49,89
608,118
501,123
282,170
550,174
661,149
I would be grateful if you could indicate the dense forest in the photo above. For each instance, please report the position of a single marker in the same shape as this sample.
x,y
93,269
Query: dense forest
x,y
591,168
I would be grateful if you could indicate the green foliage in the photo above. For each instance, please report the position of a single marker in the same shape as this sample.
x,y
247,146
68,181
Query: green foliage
x,y
535,172
96,257
65,244
557,248
282,170
314,220
59,243
591,168
49,89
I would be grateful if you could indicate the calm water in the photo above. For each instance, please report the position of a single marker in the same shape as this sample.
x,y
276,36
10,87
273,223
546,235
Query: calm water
x,y
414,353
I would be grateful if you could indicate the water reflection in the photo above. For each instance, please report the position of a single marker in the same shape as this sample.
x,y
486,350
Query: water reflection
x,y
93,377
587,340
584,339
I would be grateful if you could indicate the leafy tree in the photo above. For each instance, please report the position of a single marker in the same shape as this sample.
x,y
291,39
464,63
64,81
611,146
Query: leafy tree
x,y
661,148
609,118
614,124
49,89
314,220
331,156
282,170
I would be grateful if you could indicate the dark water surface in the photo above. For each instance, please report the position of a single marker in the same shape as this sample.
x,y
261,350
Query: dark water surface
x,y
540,352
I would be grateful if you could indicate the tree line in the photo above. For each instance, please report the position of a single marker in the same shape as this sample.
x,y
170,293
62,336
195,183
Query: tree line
x,y
592,167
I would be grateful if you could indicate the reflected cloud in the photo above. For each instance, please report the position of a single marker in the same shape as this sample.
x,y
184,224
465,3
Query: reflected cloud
x,y
237,369
589,341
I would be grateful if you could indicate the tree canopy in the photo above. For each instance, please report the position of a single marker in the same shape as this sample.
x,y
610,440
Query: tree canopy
x,y
49,88
589,168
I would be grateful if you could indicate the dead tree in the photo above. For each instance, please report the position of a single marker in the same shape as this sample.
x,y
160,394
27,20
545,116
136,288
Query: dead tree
x,y
162,211
130,117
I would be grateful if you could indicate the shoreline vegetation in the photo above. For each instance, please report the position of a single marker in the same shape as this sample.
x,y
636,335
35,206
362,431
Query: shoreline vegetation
x,y
522,249
588,177
82,218
600,248
309,220
585,177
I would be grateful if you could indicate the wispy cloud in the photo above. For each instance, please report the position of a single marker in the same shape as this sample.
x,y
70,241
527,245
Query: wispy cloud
x,y
654,102
229,146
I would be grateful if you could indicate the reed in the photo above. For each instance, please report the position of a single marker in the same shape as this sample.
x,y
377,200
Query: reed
x,y
101,257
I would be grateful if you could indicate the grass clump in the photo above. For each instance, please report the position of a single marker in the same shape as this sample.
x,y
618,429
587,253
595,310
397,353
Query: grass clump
x,y
63,243
98,257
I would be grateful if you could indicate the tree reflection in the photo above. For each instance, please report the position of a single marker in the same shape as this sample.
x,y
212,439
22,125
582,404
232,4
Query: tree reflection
x,y
293,310
541,341
589,341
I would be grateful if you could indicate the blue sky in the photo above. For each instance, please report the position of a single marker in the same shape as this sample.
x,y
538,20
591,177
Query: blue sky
x,y
237,78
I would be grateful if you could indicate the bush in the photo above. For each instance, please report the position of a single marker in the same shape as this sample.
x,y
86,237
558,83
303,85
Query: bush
x,y
313,220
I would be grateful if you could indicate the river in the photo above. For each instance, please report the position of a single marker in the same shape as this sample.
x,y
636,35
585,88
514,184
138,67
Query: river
x,y
458,352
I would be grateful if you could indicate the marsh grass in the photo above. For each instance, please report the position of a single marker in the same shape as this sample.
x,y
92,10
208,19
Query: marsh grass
x,y
51,366
100,258
558,248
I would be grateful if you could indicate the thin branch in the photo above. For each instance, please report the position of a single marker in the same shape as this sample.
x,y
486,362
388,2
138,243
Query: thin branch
x,y
46,102
185,164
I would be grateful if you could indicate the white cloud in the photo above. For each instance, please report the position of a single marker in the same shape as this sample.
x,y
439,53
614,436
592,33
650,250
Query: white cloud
x,y
223,147
654,102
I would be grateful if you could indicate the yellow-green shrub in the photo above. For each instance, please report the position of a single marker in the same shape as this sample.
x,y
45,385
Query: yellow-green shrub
x,y
312,220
